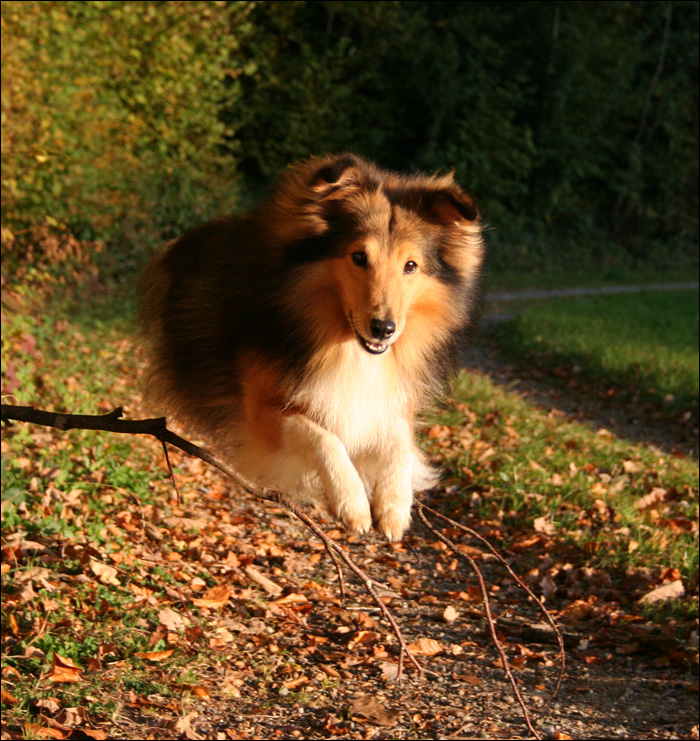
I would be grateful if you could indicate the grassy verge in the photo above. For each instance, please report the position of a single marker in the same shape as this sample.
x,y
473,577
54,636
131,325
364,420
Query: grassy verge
x,y
608,504
645,343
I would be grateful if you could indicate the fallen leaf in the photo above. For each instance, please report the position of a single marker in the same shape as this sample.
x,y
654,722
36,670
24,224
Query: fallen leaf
x,y
294,684
426,647
449,614
665,592
214,597
7,697
367,707
652,499
95,733
390,670
32,730
155,655
172,620
50,705
543,525
64,670
578,610
105,573
184,726
290,599
71,717
202,693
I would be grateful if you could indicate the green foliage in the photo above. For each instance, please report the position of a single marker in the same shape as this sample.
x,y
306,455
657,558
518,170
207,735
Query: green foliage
x,y
110,114
575,124
577,134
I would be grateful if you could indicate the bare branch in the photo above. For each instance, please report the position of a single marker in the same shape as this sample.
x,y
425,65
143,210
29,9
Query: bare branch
x,y
112,422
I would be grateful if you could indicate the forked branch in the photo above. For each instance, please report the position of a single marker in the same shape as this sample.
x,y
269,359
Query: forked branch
x,y
112,422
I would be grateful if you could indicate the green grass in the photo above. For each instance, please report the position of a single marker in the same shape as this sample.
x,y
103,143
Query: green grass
x,y
645,342
513,462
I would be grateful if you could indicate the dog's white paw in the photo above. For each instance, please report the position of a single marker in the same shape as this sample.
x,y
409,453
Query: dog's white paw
x,y
346,495
351,507
392,517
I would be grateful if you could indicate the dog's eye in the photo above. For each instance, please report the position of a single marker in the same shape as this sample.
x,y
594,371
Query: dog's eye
x,y
359,258
410,267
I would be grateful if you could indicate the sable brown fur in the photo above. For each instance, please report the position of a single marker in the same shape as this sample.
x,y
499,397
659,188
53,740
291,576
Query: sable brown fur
x,y
300,338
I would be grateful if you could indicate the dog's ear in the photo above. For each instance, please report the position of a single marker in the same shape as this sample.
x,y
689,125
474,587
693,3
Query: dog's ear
x,y
451,206
335,174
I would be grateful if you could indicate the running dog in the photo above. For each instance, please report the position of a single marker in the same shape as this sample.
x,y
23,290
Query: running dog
x,y
300,339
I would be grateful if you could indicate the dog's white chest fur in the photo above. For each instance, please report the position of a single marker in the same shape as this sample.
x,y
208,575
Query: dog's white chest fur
x,y
354,395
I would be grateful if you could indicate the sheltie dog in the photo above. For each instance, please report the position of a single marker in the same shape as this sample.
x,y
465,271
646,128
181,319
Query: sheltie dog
x,y
299,339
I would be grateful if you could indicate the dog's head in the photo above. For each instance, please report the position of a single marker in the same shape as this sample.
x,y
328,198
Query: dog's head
x,y
396,251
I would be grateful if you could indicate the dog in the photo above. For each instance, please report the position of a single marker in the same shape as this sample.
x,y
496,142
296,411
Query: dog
x,y
300,339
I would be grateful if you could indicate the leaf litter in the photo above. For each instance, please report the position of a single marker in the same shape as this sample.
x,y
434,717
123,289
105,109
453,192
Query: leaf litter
x,y
132,614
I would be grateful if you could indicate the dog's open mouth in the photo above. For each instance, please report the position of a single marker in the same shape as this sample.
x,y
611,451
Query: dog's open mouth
x,y
376,348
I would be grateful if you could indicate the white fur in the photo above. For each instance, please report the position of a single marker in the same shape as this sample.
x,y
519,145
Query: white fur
x,y
352,447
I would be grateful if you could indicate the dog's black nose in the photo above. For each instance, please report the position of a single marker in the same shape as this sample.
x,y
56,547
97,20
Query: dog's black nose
x,y
382,330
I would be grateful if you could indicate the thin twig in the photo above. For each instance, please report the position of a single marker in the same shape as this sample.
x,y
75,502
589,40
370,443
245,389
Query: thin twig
x,y
521,583
172,473
369,586
487,610
156,427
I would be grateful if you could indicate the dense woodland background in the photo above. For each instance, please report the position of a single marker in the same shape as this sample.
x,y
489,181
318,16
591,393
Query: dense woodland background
x,y
575,124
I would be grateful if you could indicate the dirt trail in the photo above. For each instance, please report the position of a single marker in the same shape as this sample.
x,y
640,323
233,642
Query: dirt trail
x,y
637,421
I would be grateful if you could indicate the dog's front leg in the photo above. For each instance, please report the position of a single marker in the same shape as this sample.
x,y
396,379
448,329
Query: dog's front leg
x,y
345,492
393,491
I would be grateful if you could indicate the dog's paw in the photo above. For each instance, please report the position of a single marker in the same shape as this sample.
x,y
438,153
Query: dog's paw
x,y
352,509
347,499
392,519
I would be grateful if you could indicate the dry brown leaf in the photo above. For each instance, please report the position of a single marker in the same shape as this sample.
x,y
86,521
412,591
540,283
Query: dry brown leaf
x,y
214,597
105,573
155,655
184,726
64,670
367,707
71,717
290,599
449,614
543,525
578,610
665,592
95,733
32,730
426,647
202,693
390,670
329,671
8,697
652,499
50,705
172,620
294,684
